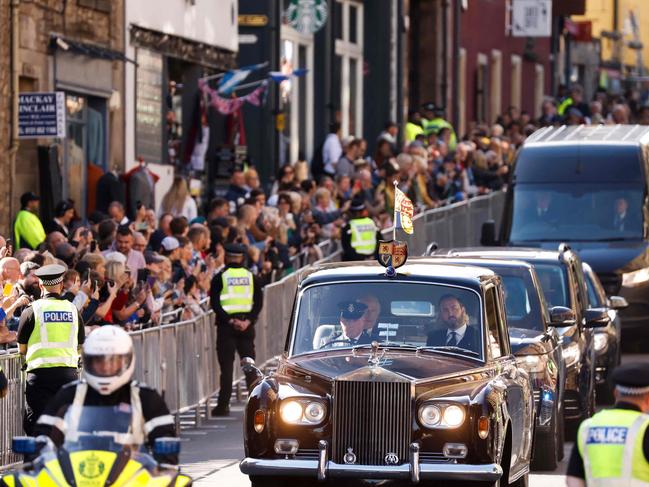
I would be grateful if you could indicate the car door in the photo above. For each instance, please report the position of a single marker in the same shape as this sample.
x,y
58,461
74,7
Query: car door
x,y
518,394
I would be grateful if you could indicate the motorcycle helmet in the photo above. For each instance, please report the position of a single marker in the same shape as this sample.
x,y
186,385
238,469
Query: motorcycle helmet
x,y
108,361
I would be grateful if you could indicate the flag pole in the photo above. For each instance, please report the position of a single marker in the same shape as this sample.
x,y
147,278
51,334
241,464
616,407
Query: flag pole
x,y
394,226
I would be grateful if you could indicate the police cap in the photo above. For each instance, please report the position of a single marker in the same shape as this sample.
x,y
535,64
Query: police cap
x,y
235,250
632,378
50,275
351,310
358,203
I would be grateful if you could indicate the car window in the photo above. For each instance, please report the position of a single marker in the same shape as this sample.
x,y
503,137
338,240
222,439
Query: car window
x,y
339,315
493,323
553,281
596,295
521,303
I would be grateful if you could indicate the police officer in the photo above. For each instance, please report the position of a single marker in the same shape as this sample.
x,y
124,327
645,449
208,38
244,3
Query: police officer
x,y
612,447
134,413
360,236
49,336
433,121
236,299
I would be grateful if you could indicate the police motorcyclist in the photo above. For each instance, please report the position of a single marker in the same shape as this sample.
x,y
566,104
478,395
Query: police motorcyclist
x,y
612,447
360,237
236,298
108,366
49,336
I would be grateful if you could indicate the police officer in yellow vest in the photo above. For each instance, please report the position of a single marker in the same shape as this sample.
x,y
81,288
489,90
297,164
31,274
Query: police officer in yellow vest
x,y
50,334
612,447
360,236
237,299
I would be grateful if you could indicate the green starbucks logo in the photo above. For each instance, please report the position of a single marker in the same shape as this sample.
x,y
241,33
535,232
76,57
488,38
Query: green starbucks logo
x,y
307,16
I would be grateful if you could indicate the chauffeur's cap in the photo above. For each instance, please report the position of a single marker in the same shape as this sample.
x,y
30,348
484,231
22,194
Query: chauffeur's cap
x,y
632,378
351,310
50,275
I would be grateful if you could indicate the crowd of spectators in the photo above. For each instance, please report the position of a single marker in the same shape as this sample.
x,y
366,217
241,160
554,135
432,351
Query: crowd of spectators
x,y
135,271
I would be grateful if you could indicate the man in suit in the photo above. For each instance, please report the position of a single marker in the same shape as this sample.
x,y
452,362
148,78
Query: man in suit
x,y
620,220
352,323
456,332
371,316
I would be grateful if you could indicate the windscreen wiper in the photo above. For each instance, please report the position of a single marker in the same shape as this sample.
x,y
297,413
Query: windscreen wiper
x,y
450,348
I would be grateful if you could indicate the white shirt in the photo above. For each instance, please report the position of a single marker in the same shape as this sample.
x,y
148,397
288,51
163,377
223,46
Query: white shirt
x,y
459,334
332,151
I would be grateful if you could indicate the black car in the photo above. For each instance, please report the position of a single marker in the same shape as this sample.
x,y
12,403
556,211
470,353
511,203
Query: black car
x,y
587,185
369,387
607,339
537,345
564,288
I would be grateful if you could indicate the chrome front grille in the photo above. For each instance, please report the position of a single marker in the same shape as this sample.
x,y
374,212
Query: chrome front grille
x,y
372,421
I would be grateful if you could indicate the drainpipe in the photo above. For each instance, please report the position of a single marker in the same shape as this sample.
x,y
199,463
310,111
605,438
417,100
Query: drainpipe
x,y
457,11
13,148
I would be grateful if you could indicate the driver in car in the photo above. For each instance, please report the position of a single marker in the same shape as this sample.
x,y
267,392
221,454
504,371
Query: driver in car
x,y
353,326
371,316
456,331
107,382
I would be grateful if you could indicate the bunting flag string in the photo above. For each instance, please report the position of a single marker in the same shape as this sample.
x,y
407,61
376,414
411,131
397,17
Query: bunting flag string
x,y
227,106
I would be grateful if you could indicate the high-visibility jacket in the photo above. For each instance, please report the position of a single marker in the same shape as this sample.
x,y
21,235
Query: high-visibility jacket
x,y
563,106
437,124
238,290
610,444
412,131
28,229
363,232
54,341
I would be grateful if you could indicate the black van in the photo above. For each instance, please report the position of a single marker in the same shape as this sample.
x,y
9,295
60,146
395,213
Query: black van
x,y
586,185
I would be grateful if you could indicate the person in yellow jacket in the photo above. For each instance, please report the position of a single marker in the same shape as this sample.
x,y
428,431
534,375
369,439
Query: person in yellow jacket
x,y
237,299
50,334
28,229
413,127
612,447
360,236
433,122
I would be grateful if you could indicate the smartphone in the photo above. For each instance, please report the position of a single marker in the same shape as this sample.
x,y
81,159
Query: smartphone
x,y
150,281
143,275
93,246
6,290
9,242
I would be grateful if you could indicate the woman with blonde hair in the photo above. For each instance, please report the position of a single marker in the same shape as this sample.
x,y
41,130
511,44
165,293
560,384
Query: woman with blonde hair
x,y
178,202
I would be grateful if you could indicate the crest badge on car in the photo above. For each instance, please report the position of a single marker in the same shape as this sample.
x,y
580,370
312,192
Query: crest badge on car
x,y
350,457
392,253
391,459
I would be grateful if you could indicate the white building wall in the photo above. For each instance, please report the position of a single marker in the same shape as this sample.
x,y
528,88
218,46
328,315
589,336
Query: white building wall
x,y
212,22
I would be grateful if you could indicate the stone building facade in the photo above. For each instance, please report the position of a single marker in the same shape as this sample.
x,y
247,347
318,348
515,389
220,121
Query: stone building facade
x,y
73,46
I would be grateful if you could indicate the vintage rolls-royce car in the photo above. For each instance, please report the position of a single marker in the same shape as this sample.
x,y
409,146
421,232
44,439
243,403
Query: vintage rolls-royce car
x,y
537,345
393,375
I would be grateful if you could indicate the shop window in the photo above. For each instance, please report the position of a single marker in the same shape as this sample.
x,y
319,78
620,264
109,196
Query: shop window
x,y
481,87
148,106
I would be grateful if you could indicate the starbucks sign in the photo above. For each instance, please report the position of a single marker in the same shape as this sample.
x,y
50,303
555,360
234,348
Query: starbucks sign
x,y
307,16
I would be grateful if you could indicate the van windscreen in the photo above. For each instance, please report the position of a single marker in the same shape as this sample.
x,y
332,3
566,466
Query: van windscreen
x,y
577,212
579,164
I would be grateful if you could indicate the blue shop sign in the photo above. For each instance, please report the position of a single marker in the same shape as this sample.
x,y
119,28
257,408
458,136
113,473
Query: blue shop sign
x,y
41,115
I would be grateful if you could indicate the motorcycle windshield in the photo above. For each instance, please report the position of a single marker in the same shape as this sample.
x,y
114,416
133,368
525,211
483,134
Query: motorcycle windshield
x,y
107,428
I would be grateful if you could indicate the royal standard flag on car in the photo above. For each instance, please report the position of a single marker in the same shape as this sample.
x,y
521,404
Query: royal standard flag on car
x,y
403,211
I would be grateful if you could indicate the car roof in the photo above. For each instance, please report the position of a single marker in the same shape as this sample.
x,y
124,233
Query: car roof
x,y
417,268
590,134
510,253
487,262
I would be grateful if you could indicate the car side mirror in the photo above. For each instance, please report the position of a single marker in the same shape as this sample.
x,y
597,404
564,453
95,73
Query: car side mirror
x,y
617,302
596,317
431,248
562,316
488,234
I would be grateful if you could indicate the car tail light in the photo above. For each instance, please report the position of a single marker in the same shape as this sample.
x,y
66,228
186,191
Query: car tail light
x,y
260,420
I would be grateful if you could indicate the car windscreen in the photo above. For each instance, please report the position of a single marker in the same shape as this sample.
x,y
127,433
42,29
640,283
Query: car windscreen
x,y
398,314
577,212
521,302
553,281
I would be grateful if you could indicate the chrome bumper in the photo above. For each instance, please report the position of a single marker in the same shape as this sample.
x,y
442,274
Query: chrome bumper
x,y
414,471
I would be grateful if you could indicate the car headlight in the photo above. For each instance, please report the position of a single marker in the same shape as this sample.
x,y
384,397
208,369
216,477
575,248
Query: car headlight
x,y
302,411
635,278
600,342
442,416
533,364
571,354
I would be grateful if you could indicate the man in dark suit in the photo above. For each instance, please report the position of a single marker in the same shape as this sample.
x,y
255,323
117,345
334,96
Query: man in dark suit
x,y
456,332
352,322
621,220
